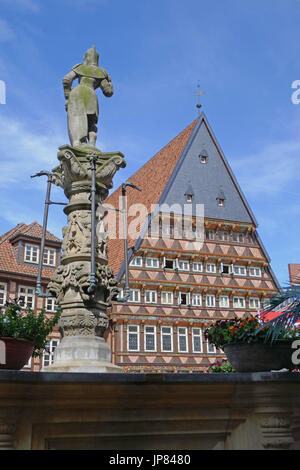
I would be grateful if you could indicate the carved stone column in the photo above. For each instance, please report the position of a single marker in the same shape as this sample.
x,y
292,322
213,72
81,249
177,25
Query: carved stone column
x,y
275,429
84,316
8,420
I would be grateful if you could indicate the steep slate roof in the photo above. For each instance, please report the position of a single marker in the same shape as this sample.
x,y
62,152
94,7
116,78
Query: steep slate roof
x,y
9,254
166,177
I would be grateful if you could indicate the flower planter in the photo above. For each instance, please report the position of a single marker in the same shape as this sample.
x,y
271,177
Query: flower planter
x,y
17,353
260,357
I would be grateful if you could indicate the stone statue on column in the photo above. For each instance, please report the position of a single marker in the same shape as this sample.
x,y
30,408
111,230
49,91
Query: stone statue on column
x,y
84,317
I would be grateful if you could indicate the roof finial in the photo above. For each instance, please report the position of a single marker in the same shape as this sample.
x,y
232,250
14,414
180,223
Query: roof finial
x,y
199,93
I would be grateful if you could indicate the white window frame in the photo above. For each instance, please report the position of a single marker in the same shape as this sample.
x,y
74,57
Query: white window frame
x,y
222,266
256,269
212,297
54,305
196,303
239,237
253,300
152,293
198,263
197,335
137,333
167,293
208,270
208,345
3,293
26,295
210,234
133,292
185,335
239,302
162,334
239,268
151,262
184,262
224,297
223,236
31,249
47,255
134,262
152,334
51,348
188,299
174,261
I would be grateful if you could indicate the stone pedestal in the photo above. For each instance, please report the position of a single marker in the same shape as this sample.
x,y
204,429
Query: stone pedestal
x,y
84,316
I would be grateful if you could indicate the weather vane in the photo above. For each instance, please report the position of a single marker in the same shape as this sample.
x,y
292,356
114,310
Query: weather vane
x,y
199,93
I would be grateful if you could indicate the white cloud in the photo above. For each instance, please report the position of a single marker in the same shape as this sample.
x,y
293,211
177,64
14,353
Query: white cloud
x,y
274,169
22,152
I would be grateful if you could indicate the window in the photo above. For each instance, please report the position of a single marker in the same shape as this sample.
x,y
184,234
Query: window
x,y
182,340
197,340
51,305
189,198
167,229
197,267
150,296
223,236
150,338
3,288
211,349
167,297
184,298
203,158
152,262
250,238
254,302
135,295
210,301
197,300
224,301
49,256
240,270
48,354
133,338
210,234
225,268
136,261
210,268
31,254
238,302
221,202
237,237
166,339
169,263
26,297
184,265
256,272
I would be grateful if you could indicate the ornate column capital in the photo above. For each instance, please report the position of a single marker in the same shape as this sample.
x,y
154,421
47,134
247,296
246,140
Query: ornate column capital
x,y
275,426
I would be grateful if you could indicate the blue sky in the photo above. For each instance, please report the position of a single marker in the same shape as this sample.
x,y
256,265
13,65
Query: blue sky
x,y
245,54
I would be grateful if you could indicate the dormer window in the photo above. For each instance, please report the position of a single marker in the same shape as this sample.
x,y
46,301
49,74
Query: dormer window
x,y
203,157
49,256
189,198
221,202
31,254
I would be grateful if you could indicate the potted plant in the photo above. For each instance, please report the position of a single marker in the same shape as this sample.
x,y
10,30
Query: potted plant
x,y
250,346
22,335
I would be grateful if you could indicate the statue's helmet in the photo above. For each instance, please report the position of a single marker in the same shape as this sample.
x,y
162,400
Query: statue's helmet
x,y
91,57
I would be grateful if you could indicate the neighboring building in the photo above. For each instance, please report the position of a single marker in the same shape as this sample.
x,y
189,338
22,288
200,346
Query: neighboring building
x,y
294,273
19,258
177,287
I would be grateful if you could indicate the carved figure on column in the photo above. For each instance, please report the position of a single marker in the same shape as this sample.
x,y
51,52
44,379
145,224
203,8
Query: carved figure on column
x,y
81,101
